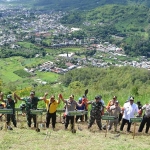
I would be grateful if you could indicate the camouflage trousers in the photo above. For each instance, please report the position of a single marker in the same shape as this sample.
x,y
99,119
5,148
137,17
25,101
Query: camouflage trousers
x,y
11,117
29,117
92,120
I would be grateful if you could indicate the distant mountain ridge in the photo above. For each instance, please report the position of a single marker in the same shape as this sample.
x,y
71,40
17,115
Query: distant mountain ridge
x,y
86,4
76,4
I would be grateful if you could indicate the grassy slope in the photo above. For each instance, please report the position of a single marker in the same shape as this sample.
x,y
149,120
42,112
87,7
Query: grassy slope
x,y
28,139
7,68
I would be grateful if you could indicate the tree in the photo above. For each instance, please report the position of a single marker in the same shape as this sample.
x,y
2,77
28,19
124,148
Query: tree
x,y
76,85
44,54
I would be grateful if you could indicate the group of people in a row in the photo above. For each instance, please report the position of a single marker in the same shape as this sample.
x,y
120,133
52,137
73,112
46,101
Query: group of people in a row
x,y
113,108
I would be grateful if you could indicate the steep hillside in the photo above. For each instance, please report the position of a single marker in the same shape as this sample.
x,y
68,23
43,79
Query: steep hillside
x,y
131,23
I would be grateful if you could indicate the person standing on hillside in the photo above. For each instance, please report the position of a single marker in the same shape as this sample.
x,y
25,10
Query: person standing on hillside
x,y
114,110
146,118
103,103
51,105
10,104
140,110
111,102
83,107
31,103
2,104
85,101
71,105
96,112
129,110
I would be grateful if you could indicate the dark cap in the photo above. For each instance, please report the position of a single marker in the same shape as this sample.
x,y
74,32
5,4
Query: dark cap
x,y
96,97
138,102
99,96
84,96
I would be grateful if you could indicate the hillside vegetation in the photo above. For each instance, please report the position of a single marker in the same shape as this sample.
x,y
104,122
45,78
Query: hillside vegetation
x,y
109,78
122,81
126,26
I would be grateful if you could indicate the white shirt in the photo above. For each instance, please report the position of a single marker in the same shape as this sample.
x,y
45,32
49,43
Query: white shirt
x,y
129,110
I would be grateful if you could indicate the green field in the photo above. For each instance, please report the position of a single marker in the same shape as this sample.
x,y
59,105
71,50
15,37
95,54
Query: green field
x,y
9,65
26,44
47,76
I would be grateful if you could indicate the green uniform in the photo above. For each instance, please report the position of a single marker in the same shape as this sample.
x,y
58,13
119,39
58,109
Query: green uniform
x,y
11,105
31,104
95,114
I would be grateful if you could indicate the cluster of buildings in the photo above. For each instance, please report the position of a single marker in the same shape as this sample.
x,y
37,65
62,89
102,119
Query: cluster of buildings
x,y
50,66
19,24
